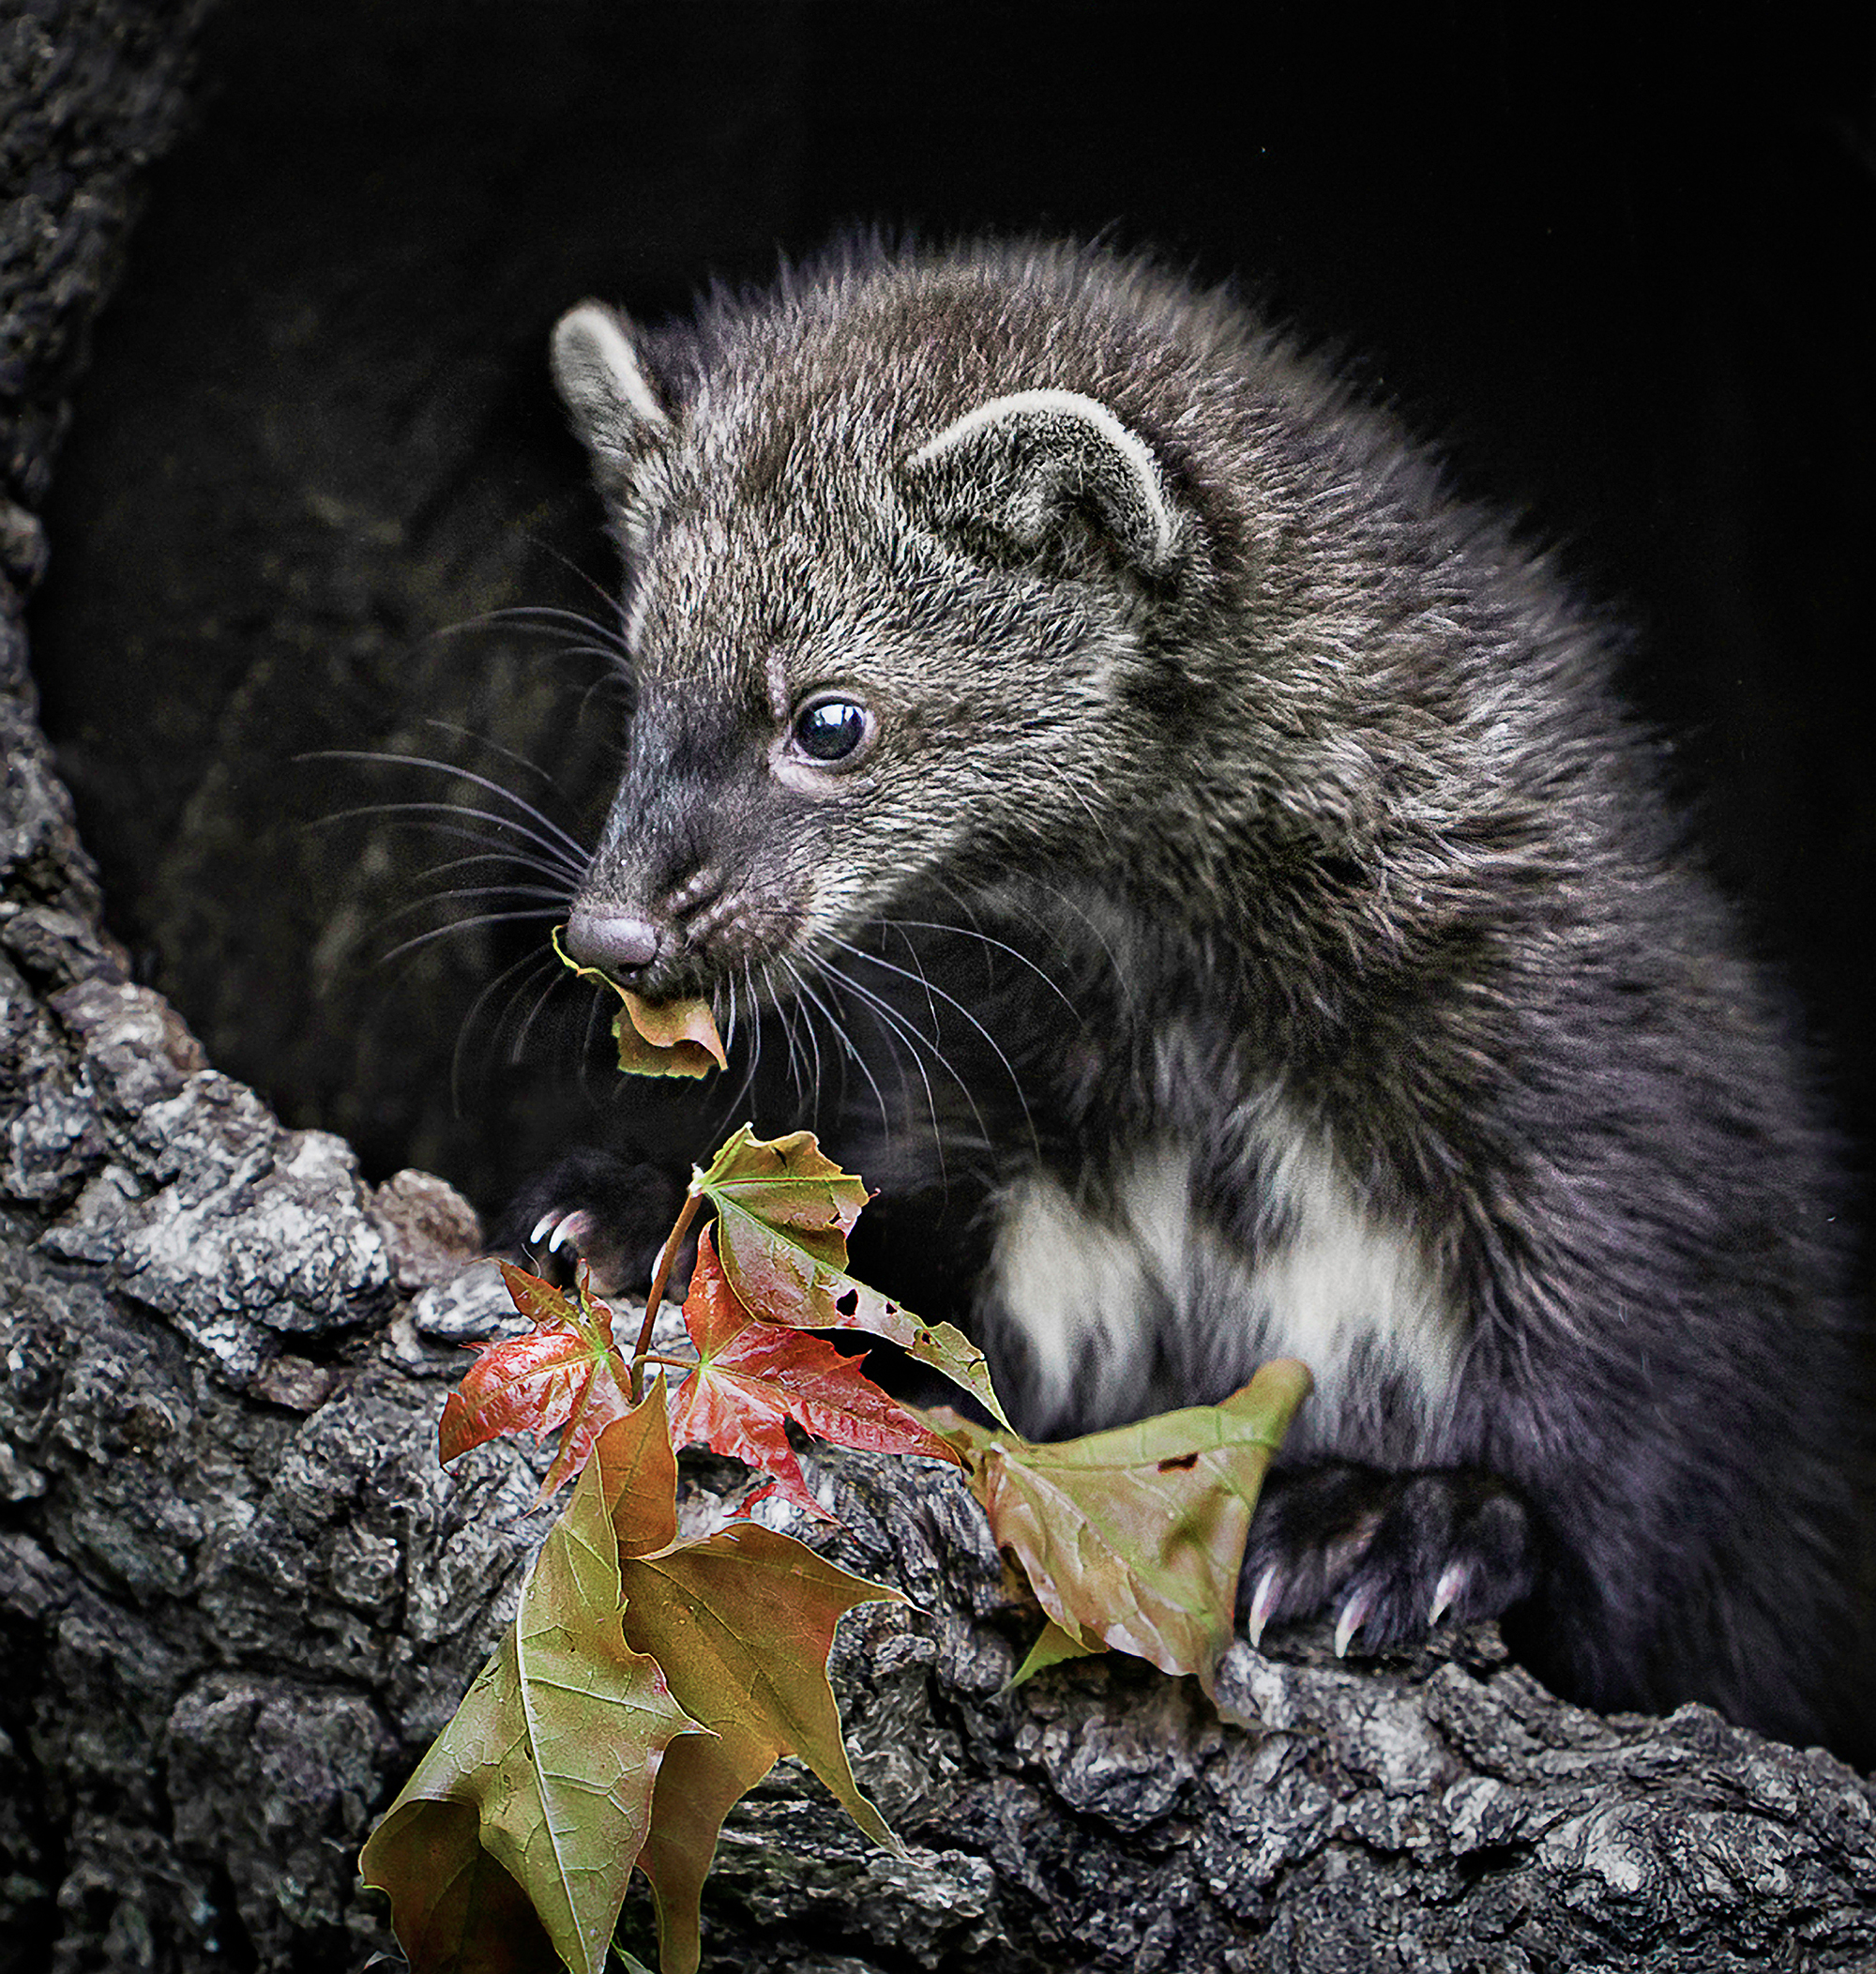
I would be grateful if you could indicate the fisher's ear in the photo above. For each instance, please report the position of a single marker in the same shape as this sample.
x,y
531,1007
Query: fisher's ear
x,y
1032,467
616,411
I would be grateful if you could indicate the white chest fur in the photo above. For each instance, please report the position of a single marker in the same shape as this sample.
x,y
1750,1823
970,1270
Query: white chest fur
x,y
1146,1303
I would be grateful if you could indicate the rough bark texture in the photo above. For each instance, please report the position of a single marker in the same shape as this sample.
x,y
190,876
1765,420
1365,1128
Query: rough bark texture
x,y
237,1596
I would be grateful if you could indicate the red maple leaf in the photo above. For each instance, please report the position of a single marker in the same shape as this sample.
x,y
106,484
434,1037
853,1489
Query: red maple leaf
x,y
753,1375
563,1372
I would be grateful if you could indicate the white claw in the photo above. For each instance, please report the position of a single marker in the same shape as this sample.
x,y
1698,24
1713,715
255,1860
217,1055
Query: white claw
x,y
1263,1602
572,1233
1446,1591
1354,1615
540,1227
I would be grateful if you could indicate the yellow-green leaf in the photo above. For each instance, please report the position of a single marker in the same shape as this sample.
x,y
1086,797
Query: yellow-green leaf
x,y
742,1621
555,1750
784,1212
452,1904
1134,1538
1052,1647
656,1038
638,1475
745,1620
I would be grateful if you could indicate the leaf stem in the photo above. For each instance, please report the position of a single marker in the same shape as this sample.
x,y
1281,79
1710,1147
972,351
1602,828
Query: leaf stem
x,y
666,1254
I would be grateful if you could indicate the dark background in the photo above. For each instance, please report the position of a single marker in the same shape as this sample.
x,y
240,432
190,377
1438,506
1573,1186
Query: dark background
x,y
1627,278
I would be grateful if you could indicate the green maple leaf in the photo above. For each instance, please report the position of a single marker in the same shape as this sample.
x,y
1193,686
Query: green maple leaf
x,y
452,1906
742,1621
784,1213
545,1775
1134,1538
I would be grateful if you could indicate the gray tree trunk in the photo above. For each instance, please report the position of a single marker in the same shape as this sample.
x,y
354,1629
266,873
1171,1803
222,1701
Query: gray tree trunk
x,y
238,1596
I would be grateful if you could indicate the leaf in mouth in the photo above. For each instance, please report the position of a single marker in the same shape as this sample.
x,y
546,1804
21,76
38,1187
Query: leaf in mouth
x,y
656,1038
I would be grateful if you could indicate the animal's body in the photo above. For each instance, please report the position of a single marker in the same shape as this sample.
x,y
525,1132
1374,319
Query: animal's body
x,y
1352,994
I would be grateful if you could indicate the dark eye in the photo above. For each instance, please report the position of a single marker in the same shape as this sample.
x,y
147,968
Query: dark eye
x,y
831,729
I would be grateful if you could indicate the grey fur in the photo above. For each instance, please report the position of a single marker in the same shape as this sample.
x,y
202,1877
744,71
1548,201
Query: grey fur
x,y
1305,786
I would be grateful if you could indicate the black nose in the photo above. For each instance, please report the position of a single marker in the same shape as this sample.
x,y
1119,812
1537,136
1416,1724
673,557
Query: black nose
x,y
614,942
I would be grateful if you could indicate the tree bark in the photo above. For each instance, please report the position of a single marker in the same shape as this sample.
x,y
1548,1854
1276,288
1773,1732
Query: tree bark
x,y
238,1595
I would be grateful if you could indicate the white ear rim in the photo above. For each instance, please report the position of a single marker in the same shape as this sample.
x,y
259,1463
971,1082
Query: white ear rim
x,y
597,371
1026,404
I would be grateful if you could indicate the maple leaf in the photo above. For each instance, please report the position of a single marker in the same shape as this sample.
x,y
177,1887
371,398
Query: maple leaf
x,y
784,1213
545,1775
656,1038
1052,1647
753,1375
563,1372
452,1906
639,1478
742,1621
1134,1538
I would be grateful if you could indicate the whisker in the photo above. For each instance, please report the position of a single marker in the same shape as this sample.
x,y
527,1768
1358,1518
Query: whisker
x,y
786,1012
857,1056
911,953
507,856
452,820
810,1003
734,1102
940,1058
464,925
486,892
892,1028
556,976
494,746
556,835
521,966
971,931
757,1035
611,602
996,1048
892,1024
879,1095
1064,897
755,1028
546,618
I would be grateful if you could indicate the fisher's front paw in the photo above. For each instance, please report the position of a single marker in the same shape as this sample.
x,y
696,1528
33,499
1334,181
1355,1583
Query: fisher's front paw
x,y
1391,1554
613,1213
